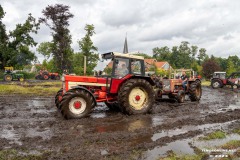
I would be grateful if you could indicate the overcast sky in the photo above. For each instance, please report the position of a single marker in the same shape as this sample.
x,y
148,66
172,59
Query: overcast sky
x,y
213,25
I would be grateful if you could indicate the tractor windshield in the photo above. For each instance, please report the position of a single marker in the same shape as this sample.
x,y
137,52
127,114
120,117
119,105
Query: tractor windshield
x,y
104,68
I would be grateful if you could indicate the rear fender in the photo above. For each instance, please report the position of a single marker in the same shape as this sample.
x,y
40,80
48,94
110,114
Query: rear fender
x,y
80,87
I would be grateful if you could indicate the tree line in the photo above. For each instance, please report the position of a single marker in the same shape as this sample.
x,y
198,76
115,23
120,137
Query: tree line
x,y
15,47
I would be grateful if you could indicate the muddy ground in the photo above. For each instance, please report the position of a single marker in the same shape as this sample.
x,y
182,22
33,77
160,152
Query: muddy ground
x,y
33,125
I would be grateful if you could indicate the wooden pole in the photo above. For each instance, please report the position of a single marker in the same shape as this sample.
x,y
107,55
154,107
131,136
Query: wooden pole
x,y
85,65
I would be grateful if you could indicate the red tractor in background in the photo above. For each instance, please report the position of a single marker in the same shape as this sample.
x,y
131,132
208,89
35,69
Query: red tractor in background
x,y
122,85
219,80
45,75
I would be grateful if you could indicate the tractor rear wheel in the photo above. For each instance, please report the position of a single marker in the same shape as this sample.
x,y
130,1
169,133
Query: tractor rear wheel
x,y
76,103
136,96
58,98
195,91
8,77
216,83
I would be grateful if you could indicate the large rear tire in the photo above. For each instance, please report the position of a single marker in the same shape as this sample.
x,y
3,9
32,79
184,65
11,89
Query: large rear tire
x,y
136,96
8,77
58,97
76,103
216,83
195,91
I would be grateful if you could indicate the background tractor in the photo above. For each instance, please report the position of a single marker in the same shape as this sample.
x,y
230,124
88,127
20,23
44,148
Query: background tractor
x,y
45,75
174,89
122,85
219,80
10,75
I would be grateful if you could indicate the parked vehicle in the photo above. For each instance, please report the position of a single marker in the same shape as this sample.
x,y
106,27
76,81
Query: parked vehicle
x,y
10,75
219,80
45,75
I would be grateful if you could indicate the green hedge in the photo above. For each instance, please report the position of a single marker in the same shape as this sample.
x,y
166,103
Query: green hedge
x,y
27,75
1,74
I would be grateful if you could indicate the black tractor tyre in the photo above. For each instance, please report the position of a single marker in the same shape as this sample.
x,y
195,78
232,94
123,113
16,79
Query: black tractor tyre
x,y
58,98
180,96
57,77
136,96
113,106
8,77
45,76
195,91
216,83
82,98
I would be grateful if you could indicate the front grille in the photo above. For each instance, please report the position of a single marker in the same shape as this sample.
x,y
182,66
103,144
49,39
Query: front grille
x,y
166,85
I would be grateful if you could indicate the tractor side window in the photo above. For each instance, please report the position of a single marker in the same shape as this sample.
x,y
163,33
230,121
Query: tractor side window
x,y
121,67
136,67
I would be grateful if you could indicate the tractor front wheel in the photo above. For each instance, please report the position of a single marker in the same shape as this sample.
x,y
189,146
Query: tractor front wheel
x,y
195,91
8,77
76,103
216,83
45,76
58,98
136,96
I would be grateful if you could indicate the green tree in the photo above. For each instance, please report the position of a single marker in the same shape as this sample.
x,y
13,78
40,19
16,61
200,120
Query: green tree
x,y
3,39
45,48
59,16
230,66
78,63
88,49
162,54
202,55
15,46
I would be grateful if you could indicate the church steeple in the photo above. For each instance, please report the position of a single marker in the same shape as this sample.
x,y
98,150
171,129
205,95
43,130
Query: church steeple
x,y
125,48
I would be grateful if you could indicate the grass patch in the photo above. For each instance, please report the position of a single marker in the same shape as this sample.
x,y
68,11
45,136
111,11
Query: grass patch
x,y
35,90
174,156
233,144
206,83
237,131
14,155
214,135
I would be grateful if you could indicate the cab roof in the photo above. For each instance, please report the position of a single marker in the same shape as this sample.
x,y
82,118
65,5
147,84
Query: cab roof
x,y
117,54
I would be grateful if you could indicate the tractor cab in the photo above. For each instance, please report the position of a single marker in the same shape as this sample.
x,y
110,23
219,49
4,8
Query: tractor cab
x,y
118,65
220,75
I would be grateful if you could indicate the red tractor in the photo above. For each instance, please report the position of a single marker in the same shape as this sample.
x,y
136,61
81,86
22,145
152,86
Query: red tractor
x,y
174,89
125,86
45,75
219,80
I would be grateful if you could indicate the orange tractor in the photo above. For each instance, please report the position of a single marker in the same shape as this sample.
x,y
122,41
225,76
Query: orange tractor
x,y
122,85
45,75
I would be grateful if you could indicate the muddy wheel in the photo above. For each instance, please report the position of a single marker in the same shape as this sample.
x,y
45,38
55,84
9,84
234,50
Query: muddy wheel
x,y
216,83
58,98
45,76
57,77
21,79
136,96
180,96
113,106
8,77
195,91
76,103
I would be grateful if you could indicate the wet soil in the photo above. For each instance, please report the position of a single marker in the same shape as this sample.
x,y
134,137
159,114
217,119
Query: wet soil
x,y
33,125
